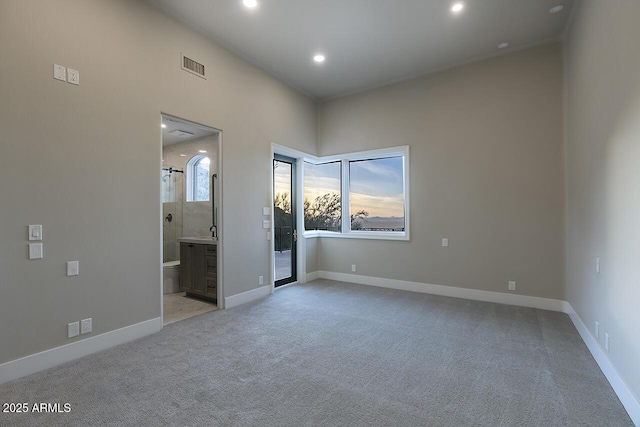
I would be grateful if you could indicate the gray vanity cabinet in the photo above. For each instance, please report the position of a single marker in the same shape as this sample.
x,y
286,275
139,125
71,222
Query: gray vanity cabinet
x,y
199,270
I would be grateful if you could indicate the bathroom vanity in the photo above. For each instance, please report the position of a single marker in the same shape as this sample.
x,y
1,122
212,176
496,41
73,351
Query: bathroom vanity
x,y
199,267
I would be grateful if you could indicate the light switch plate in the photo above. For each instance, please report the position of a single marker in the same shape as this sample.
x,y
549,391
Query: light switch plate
x,y
266,211
266,224
59,72
73,76
35,232
73,268
35,251
73,329
445,241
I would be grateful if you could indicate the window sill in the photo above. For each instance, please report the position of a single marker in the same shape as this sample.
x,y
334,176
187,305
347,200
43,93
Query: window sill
x,y
365,235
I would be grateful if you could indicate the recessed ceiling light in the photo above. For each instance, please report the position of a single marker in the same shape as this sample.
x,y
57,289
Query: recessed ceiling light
x,y
163,126
457,7
503,45
183,155
202,151
556,9
319,58
250,3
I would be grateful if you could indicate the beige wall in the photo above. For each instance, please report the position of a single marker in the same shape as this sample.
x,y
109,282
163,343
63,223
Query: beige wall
x,y
311,249
84,160
603,176
486,172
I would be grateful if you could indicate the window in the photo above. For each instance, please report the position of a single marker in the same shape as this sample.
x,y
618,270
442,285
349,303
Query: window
x,y
376,191
322,197
198,179
358,195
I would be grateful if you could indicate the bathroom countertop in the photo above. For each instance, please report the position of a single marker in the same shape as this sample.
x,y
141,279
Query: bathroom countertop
x,y
203,240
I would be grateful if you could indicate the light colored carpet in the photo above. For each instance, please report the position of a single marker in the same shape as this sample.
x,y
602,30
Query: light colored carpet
x,y
336,354
177,307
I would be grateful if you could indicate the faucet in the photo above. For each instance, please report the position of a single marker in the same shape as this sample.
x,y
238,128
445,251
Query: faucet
x,y
214,230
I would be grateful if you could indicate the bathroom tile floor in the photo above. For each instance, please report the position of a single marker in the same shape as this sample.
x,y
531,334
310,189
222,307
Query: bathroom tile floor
x,y
179,307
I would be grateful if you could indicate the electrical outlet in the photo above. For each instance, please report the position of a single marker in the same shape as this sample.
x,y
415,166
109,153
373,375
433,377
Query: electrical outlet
x,y
353,268
445,241
606,341
512,285
597,329
86,326
260,280
73,76
73,329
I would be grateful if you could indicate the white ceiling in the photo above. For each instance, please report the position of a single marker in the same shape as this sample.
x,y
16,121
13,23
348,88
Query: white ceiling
x,y
173,123
367,43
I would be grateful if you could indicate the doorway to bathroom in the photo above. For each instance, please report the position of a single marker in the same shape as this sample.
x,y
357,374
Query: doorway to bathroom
x,y
191,219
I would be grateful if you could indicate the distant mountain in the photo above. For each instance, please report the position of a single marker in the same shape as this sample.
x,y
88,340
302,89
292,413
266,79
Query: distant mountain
x,y
374,222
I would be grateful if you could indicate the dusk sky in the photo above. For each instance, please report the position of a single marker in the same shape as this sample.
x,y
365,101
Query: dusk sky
x,y
282,178
376,185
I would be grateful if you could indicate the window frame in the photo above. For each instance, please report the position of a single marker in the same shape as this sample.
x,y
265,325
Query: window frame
x,y
192,177
306,160
344,159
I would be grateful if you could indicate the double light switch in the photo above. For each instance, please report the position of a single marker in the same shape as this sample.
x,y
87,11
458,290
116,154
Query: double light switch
x,y
35,249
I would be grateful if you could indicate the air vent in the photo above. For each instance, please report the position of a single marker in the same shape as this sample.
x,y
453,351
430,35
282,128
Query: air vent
x,y
194,67
181,133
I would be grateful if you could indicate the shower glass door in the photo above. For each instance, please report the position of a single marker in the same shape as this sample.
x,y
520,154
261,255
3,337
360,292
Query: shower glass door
x,y
172,195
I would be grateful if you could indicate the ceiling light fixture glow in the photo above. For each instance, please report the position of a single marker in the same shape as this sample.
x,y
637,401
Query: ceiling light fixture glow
x,y
250,3
163,126
202,151
556,9
457,7
503,45
319,58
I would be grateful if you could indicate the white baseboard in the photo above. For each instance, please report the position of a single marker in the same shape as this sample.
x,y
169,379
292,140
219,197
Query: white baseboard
x,y
626,396
33,363
448,291
312,276
245,297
